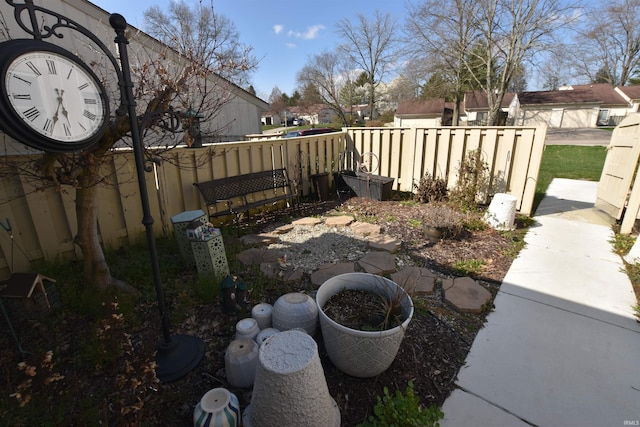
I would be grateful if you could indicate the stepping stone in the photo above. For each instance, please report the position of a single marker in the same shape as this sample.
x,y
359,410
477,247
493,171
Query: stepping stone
x,y
307,221
378,263
465,294
288,276
383,242
327,271
283,229
415,280
365,229
254,256
259,239
338,221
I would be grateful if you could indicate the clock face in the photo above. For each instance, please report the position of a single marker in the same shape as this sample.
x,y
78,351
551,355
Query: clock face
x,y
57,101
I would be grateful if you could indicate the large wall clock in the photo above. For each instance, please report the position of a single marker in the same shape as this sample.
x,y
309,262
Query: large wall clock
x,y
50,99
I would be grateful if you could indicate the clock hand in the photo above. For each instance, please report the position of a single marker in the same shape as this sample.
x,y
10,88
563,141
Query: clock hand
x,y
56,116
65,113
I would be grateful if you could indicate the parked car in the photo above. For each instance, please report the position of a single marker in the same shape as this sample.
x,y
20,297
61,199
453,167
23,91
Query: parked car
x,y
307,132
299,122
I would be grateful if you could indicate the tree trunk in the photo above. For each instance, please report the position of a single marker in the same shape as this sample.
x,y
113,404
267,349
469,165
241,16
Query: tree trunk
x,y
96,270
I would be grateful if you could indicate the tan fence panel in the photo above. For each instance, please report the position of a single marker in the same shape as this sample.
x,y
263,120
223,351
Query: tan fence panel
x,y
512,154
44,222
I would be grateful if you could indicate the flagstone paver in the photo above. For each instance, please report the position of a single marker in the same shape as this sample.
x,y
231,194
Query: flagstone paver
x,y
254,256
283,229
365,229
383,242
378,263
415,280
287,276
465,294
259,239
328,271
339,221
307,221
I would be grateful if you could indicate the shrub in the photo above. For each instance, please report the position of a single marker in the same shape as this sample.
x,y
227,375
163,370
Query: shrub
x,y
474,185
403,409
444,218
430,189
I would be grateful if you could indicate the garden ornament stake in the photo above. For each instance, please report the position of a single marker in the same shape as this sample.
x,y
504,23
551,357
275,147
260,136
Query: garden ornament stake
x,y
176,355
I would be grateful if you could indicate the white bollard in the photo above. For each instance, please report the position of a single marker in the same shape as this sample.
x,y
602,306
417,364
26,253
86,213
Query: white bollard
x,y
501,214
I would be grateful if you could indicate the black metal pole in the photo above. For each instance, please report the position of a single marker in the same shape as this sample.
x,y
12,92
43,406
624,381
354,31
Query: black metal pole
x,y
177,355
119,24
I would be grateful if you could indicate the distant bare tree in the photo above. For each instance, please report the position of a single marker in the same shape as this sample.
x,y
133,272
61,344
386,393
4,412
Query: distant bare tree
x,y
514,31
370,45
325,71
199,32
609,44
439,34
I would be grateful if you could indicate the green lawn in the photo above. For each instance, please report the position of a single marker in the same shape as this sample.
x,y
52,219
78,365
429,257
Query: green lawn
x,y
569,161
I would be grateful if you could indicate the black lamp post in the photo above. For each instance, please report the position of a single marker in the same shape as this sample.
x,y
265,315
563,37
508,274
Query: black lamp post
x,y
176,355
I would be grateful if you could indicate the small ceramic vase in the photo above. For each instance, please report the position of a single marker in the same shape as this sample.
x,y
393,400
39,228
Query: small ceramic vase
x,y
247,328
264,334
295,310
262,313
240,362
217,408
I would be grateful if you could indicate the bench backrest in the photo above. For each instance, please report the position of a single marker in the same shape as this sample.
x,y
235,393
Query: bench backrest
x,y
241,185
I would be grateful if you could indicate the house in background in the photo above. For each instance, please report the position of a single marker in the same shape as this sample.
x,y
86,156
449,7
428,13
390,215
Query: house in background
x,y
313,114
577,106
423,113
358,113
270,118
475,109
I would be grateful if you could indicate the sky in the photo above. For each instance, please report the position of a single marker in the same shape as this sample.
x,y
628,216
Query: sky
x,y
283,34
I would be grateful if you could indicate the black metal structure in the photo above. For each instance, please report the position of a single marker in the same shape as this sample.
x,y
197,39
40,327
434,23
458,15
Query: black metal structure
x,y
176,355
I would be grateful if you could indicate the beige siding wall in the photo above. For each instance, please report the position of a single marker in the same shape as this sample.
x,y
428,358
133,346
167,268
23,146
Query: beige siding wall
x,y
44,222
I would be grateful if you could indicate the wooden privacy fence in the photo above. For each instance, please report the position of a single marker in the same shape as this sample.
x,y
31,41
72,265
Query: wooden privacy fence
x,y
43,223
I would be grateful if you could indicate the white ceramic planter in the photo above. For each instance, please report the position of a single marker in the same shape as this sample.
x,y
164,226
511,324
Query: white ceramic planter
x,y
217,408
241,361
290,388
295,310
262,313
247,328
361,353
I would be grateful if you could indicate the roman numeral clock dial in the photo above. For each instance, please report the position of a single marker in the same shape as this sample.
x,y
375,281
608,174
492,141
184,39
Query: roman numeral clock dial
x,y
50,100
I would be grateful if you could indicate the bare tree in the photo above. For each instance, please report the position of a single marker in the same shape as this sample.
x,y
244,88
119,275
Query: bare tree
x,y
513,32
609,44
440,34
187,80
327,74
200,33
370,46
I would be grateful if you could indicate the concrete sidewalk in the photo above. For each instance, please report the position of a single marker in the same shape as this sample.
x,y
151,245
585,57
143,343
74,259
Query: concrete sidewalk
x,y
562,346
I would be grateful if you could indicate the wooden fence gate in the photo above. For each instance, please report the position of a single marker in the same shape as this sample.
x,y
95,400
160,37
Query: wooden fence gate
x,y
618,174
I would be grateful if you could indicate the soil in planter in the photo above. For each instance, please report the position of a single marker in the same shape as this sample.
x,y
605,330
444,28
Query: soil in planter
x,y
363,310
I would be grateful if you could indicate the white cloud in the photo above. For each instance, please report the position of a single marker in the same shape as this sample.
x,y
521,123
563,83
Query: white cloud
x,y
278,28
291,45
311,33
